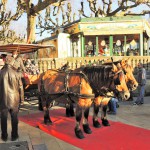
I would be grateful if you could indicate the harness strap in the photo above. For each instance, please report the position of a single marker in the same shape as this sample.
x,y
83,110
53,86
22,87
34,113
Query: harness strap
x,y
67,92
91,96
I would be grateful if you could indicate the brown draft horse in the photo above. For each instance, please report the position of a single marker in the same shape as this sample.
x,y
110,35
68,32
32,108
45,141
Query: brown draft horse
x,y
76,87
59,86
128,70
101,83
103,100
130,79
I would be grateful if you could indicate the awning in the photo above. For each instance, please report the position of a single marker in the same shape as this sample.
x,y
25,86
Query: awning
x,y
22,48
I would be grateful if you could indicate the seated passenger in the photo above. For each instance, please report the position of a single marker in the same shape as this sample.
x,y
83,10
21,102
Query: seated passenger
x,y
31,67
113,105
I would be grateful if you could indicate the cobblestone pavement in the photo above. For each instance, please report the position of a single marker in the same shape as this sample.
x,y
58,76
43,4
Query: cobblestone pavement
x,y
136,115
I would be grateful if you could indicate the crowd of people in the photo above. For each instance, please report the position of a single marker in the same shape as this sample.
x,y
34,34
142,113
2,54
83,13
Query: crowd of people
x,y
131,52
31,67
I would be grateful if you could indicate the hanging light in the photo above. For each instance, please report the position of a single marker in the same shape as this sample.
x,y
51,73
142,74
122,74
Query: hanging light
x,y
118,43
90,43
103,43
133,43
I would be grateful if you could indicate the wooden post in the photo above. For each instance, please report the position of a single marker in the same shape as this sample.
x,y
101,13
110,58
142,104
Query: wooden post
x,y
111,45
141,44
83,45
125,45
96,45
146,48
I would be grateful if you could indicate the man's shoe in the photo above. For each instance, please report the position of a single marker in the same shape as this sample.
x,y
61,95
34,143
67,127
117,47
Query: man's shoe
x,y
111,113
117,105
141,103
135,104
14,138
4,138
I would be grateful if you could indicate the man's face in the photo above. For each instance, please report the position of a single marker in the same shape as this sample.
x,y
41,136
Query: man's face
x,y
139,65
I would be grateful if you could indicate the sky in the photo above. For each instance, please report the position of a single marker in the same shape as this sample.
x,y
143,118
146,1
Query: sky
x,y
21,25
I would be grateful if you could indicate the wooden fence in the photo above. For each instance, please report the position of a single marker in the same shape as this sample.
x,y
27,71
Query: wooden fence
x,y
49,63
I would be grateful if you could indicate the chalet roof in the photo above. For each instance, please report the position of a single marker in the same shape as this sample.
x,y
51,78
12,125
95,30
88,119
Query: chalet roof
x,y
47,39
106,19
114,25
70,24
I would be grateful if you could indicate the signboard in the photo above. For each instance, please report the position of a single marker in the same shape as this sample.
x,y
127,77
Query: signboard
x,y
102,28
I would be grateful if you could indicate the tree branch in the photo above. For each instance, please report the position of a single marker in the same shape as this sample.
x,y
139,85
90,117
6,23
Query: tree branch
x,y
40,6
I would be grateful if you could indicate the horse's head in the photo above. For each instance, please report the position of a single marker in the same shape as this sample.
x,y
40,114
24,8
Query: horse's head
x,y
120,82
130,79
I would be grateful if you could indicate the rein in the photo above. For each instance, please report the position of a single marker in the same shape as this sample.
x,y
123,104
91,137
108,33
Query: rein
x,y
104,90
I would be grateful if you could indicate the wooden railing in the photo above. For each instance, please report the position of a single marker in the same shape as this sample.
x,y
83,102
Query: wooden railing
x,y
49,63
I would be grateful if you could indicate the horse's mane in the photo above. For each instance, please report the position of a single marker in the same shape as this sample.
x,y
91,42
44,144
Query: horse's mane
x,y
100,72
98,76
110,63
65,67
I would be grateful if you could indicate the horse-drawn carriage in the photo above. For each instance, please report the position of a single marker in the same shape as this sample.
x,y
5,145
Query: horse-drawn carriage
x,y
30,82
84,86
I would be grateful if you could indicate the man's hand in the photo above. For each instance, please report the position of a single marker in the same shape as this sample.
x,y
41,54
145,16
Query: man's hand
x,y
22,103
25,75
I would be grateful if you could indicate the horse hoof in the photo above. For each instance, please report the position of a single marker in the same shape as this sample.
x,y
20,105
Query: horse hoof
x,y
72,114
79,133
105,122
96,124
68,115
40,108
87,129
48,122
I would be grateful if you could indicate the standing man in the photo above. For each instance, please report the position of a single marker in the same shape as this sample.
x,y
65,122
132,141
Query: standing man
x,y
11,94
141,78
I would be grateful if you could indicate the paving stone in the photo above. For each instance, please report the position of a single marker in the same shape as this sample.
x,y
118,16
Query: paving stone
x,y
21,145
40,147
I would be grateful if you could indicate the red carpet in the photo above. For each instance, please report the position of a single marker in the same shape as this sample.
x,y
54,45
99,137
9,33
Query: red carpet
x,y
118,136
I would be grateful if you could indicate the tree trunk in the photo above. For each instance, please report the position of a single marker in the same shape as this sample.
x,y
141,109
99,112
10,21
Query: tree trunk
x,y
31,28
31,11
30,23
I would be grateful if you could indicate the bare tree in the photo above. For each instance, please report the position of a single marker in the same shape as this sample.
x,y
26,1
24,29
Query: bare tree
x,y
60,13
124,7
6,17
101,8
32,12
50,21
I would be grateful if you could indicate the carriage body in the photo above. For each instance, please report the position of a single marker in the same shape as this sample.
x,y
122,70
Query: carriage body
x,y
30,82
31,86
